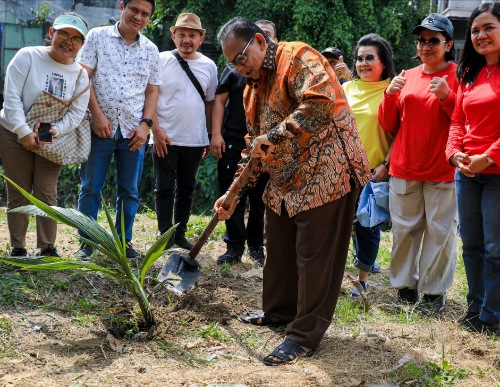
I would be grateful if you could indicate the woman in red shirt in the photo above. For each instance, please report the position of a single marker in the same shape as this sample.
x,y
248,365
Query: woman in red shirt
x,y
474,148
417,106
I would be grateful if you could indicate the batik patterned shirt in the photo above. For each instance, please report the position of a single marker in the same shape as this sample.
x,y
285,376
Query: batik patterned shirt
x,y
300,105
121,74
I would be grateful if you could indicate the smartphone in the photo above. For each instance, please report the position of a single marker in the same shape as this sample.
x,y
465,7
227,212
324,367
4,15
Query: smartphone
x,y
44,136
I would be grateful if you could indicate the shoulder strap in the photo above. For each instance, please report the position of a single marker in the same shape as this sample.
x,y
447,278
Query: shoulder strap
x,y
185,66
75,96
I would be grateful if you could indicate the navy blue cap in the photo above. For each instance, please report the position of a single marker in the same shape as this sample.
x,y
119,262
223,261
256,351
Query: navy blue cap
x,y
332,51
435,22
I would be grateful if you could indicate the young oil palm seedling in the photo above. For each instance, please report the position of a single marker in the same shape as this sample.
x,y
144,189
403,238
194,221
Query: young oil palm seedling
x,y
114,263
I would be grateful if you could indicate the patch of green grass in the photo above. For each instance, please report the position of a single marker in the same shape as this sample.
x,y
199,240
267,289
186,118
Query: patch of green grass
x,y
7,348
225,270
482,373
84,305
13,290
148,212
214,331
186,320
429,374
404,314
84,319
132,330
348,311
250,339
384,255
198,223
113,320
165,345
460,287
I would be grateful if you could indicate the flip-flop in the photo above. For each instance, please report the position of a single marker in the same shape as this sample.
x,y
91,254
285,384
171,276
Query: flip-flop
x,y
287,352
255,318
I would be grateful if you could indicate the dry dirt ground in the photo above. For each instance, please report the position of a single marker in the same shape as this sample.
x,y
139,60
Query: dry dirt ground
x,y
53,332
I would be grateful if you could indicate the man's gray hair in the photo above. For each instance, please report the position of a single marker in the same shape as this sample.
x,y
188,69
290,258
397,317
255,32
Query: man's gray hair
x,y
240,28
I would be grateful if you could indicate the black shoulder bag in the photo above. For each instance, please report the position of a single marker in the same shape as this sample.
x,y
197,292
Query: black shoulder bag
x,y
185,66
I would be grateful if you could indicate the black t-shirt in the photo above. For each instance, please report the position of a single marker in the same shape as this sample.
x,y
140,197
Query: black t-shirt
x,y
235,127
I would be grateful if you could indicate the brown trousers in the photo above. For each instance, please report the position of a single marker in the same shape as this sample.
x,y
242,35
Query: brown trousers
x,y
36,175
306,257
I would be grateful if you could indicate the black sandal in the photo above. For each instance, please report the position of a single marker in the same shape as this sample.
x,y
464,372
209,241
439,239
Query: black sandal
x,y
255,318
287,352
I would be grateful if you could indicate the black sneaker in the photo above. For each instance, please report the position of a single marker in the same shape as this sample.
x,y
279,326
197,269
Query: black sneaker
x,y
257,254
231,256
86,253
434,303
408,295
131,252
181,241
19,252
49,251
470,321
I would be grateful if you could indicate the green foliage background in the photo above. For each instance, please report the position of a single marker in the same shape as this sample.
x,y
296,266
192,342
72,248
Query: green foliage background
x,y
320,23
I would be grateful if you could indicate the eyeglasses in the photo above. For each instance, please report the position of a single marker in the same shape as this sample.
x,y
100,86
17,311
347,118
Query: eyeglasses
x,y
76,40
240,59
367,59
432,42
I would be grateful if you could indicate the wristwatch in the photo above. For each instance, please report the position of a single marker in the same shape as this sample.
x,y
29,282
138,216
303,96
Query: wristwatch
x,y
148,121
385,163
489,160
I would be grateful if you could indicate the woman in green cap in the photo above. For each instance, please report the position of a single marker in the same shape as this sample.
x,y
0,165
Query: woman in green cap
x,y
32,71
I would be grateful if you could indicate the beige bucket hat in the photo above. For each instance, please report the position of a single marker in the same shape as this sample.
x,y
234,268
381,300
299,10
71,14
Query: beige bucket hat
x,y
188,20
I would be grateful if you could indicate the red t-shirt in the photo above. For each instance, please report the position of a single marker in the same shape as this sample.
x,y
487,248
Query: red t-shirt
x,y
475,126
421,122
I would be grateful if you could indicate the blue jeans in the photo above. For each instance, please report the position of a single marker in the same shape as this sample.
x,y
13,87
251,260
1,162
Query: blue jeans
x,y
477,198
366,243
128,175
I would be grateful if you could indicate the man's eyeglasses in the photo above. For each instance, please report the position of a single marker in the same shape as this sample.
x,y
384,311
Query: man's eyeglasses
x,y
432,42
367,59
76,40
240,59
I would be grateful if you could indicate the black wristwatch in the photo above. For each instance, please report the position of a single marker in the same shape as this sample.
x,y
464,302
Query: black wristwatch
x,y
148,121
385,163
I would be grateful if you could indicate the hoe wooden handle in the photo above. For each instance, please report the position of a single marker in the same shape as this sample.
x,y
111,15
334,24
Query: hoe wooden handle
x,y
233,191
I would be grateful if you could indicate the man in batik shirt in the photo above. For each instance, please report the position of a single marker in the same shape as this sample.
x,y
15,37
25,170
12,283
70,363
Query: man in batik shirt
x,y
295,108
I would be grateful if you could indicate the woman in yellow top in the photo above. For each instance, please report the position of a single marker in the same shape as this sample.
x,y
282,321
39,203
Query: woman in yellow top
x,y
373,72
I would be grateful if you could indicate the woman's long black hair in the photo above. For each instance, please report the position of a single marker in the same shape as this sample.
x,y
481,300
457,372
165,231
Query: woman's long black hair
x,y
472,62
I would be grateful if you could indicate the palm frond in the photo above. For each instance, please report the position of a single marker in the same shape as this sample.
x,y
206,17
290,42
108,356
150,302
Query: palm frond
x,y
97,237
119,254
155,251
56,264
112,227
67,216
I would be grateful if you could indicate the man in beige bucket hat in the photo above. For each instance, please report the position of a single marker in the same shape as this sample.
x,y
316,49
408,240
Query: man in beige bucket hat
x,y
180,130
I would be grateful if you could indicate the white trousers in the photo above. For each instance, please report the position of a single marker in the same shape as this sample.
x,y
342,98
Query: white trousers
x,y
424,228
